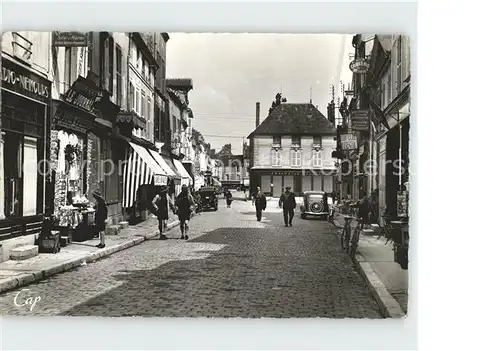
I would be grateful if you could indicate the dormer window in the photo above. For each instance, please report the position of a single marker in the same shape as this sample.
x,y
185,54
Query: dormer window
x,y
317,142
296,141
277,141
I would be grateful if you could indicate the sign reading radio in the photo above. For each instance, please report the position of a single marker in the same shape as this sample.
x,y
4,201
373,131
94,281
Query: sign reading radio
x,y
13,78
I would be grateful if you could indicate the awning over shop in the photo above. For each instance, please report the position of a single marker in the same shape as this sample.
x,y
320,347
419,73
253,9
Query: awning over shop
x,y
141,169
163,164
186,178
216,182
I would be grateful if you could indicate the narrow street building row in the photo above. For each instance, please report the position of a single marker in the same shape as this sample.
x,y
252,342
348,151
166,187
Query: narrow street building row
x,y
88,111
376,111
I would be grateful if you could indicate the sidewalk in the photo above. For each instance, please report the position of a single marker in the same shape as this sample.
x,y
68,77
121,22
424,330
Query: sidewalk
x,y
14,274
386,279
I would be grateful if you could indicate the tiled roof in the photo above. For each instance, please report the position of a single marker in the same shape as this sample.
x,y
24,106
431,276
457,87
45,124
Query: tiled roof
x,y
295,119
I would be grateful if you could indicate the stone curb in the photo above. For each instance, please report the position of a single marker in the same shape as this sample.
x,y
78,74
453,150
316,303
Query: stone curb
x,y
28,278
388,305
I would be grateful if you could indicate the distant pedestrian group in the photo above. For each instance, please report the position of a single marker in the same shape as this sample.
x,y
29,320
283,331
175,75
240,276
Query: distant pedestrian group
x,y
286,202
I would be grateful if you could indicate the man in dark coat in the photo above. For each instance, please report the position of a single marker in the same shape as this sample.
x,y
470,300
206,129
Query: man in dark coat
x,y
260,203
287,202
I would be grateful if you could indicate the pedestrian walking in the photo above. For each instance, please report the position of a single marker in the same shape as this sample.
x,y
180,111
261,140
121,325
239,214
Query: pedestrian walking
x,y
184,204
101,214
229,197
363,206
287,202
161,204
374,206
260,202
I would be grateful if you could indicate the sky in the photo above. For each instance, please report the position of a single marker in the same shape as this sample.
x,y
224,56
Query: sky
x,y
231,72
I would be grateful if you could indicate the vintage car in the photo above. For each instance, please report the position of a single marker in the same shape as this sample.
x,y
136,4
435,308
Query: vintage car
x,y
208,198
315,204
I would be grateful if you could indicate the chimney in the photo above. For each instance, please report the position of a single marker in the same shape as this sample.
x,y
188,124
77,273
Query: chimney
x,y
257,114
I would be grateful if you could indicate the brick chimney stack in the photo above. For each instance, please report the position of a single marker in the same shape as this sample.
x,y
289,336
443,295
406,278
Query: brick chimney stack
x,y
257,114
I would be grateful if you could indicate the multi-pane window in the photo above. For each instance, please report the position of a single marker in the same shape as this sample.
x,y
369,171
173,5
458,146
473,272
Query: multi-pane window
x,y
389,86
137,101
150,121
296,141
143,110
317,141
399,73
276,158
131,97
316,159
296,158
109,49
277,141
71,67
119,76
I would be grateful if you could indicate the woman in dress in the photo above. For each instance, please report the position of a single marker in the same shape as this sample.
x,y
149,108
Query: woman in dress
x,y
184,205
101,214
161,203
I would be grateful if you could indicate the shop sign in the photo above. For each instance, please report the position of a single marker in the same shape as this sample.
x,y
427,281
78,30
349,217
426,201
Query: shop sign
x,y
82,94
348,142
359,65
402,203
359,120
160,179
70,39
20,80
73,121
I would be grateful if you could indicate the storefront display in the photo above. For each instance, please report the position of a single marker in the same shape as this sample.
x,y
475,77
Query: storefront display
x,y
25,103
70,147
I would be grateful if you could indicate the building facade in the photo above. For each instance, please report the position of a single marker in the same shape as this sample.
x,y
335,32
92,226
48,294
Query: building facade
x,y
178,90
381,161
26,107
293,147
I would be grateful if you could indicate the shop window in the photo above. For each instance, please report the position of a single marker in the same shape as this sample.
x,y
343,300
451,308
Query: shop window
x,y
13,174
30,178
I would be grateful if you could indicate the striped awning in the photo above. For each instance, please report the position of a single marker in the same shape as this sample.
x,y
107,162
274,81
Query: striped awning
x,y
141,169
186,178
164,165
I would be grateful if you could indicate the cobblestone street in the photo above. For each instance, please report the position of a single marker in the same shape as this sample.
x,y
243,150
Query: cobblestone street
x,y
232,266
